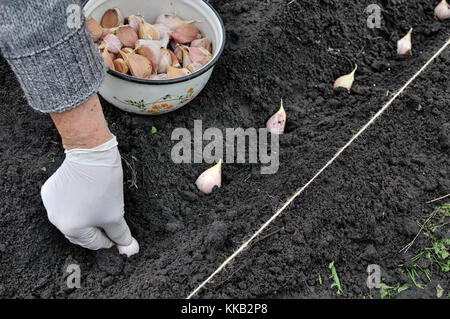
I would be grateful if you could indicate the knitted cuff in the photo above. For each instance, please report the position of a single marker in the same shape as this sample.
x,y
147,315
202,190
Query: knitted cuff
x,y
62,76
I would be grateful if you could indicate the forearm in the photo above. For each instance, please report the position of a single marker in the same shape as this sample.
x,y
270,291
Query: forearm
x,y
83,127
55,62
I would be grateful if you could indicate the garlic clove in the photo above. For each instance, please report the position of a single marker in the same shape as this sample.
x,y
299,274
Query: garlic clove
x,y
404,45
134,22
148,31
202,43
172,21
112,18
95,29
127,36
129,250
186,59
210,178
185,34
161,76
199,55
108,59
277,122
113,43
175,61
193,67
346,81
125,53
139,66
165,61
151,49
121,66
442,11
174,73
179,53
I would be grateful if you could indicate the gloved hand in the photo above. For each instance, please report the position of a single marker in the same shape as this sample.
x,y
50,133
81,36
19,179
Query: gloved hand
x,y
84,199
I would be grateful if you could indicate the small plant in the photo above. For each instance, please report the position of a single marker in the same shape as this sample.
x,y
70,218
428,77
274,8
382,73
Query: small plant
x,y
44,169
320,278
389,291
154,130
335,277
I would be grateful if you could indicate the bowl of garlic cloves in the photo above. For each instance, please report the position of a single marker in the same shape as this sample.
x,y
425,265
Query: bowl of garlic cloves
x,y
159,54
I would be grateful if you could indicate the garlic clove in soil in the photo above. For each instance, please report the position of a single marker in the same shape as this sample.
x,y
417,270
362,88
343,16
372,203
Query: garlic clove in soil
x,y
139,66
121,66
442,11
172,21
202,43
210,178
277,122
199,55
165,61
346,81
112,18
404,45
174,73
175,61
127,36
95,29
193,67
186,34
129,250
113,43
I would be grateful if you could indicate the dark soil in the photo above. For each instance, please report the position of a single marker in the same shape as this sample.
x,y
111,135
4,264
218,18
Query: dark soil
x,y
361,211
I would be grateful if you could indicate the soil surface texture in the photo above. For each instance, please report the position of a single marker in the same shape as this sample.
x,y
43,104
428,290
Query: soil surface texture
x,y
362,210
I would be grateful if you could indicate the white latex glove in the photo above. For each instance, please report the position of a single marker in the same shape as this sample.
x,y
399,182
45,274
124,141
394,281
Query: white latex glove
x,y
84,199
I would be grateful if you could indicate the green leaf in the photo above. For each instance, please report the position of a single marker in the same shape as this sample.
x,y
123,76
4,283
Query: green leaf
x,y
44,169
439,291
154,130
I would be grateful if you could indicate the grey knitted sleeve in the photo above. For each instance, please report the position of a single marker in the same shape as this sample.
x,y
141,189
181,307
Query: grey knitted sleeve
x,y
53,57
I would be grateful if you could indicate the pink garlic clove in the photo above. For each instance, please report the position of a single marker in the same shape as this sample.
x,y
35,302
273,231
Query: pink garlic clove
x,y
112,43
95,29
202,43
277,122
210,178
127,36
442,11
174,73
112,18
404,45
186,34
199,55
175,61
151,49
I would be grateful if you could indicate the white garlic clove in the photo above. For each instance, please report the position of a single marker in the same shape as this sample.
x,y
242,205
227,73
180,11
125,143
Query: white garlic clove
x,y
210,178
165,61
193,67
199,55
161,76
404,45
113,43
129,250
346,81
277,122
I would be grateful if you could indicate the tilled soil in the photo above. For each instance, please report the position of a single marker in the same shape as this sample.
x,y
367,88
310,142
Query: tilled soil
x,y
360,211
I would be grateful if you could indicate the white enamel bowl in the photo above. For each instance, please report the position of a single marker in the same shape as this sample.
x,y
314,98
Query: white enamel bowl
x,y
152,97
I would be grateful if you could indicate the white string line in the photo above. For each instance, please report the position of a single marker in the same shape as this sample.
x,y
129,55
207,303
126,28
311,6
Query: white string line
x,y
245,244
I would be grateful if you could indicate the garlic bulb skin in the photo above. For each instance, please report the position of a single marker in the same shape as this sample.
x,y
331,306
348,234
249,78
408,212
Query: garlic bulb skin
x,y
210,178
346,81
277,122
442,11
174,73
404,45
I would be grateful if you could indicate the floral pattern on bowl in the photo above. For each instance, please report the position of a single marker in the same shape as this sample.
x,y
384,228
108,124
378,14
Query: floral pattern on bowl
x,y
163,105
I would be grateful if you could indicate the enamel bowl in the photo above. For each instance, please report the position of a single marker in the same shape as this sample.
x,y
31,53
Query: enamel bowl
x,y
153,97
